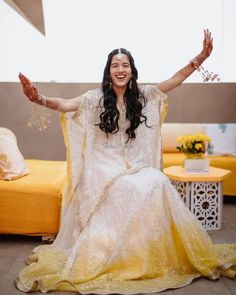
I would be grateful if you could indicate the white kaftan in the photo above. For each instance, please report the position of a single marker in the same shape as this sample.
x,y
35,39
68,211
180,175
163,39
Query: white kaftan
x,y
124,227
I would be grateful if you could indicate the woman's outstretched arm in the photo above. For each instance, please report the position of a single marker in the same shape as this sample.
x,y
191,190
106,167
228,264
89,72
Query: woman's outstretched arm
x,y
186,71
58,104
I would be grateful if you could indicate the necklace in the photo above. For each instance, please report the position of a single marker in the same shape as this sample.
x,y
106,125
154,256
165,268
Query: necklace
x,y
122,109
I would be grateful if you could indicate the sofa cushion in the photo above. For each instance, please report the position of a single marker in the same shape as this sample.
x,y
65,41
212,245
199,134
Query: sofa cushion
x,y
12,164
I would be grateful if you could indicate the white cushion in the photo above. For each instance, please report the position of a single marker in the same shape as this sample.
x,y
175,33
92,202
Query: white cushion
x,y
12,164
171,131
223,139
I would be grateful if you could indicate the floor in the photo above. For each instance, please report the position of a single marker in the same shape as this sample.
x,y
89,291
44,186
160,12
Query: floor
x,y
14,249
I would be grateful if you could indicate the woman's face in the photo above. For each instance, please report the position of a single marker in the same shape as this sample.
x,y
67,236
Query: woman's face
x,y
120,71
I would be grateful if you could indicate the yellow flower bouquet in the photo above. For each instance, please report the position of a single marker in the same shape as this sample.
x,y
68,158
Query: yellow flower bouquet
x,y
193,145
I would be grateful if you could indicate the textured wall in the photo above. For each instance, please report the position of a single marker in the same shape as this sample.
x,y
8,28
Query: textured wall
x,y
192,102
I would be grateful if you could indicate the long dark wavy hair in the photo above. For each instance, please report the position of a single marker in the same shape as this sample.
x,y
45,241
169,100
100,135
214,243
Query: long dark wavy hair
x,y
134,100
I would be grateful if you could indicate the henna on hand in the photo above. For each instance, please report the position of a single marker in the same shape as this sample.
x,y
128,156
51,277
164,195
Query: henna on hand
x,y
29,89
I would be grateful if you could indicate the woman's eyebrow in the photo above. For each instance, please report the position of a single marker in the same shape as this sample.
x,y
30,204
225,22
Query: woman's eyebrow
x,y
123,63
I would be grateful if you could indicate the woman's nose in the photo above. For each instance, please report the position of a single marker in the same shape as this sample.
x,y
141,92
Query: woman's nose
x,y
120,68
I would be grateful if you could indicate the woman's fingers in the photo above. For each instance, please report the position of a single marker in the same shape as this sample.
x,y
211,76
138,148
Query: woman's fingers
x,y
207,42
25,81
28,87
22,80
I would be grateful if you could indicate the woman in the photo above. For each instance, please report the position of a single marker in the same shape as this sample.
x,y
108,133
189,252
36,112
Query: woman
x,y
124,228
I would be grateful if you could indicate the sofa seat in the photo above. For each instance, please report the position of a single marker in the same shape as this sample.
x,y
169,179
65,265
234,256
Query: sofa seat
x,y
31,205
224,162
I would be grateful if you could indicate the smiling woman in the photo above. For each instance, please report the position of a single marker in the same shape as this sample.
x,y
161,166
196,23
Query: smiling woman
x,y
124,226
120,71
121,92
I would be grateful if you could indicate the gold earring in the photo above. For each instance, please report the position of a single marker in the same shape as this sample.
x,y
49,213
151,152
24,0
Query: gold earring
x,y
110,85
130,84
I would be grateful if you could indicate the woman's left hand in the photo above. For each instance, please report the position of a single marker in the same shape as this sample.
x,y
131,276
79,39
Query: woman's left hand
x,y
207,44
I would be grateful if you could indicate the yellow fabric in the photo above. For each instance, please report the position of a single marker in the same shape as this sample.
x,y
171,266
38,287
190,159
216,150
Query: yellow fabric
x,y
163,110
31,204
224,162
129,275
70,130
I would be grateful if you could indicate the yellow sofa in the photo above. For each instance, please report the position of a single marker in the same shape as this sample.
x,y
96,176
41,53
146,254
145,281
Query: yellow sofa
x,y
31,204
171,156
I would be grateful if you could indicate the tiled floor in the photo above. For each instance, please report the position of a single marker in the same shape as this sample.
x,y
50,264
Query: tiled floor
x,y
14,249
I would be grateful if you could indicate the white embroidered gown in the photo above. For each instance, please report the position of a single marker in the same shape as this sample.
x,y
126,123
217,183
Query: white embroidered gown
x,y
124,228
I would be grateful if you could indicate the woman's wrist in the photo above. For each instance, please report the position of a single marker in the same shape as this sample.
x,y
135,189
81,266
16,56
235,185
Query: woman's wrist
x,y
197,61
196,64
49,102
41,100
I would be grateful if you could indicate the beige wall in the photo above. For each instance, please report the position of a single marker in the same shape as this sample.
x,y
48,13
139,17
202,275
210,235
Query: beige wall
x,y
192,102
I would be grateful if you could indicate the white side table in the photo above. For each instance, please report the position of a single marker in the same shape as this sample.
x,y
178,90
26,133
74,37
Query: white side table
x,y
202,193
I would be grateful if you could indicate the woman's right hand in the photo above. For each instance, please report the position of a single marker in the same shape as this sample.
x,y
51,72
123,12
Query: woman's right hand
x,y
29,89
